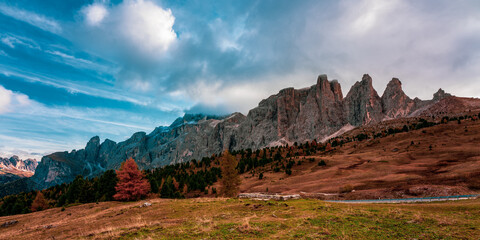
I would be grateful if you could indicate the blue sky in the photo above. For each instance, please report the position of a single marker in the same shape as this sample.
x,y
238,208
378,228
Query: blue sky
x,y
70,70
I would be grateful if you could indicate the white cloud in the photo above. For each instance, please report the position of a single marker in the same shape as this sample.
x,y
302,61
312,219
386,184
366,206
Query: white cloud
x,y
242,96
138,24
95,13
31,18
423,46
5,99
10,100
70,86
147,25
12,41
9,41
79,62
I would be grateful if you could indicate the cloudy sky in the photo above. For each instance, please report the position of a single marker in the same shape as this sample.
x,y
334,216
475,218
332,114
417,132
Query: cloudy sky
x,y
70,70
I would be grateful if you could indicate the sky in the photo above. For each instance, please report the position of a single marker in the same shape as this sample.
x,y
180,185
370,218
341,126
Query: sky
x,y
71,70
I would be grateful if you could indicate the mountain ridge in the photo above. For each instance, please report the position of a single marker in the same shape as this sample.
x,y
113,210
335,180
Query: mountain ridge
x,y
291,115
14,168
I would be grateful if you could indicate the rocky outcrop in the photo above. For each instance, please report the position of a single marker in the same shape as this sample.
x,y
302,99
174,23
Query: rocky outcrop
x,y
440,94
292,115
395,102
362,103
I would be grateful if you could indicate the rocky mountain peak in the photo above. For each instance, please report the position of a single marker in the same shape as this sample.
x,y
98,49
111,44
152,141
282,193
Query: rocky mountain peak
x,y
394,85
367,79
395,102
15,163
322,80
328,89
93,143
14,160
362,103
336,89
440,94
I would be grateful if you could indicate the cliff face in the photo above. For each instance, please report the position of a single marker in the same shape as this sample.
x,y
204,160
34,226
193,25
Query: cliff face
x,y
362,103
290,116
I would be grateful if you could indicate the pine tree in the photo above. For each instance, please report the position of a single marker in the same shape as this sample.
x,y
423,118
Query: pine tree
x,y
230,178
132,184
39,203
168,189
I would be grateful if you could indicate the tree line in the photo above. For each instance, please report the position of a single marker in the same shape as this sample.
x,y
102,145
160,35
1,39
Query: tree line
x,y
189,179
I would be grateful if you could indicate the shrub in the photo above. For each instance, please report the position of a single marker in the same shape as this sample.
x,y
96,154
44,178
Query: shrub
x,y
346,188
322,163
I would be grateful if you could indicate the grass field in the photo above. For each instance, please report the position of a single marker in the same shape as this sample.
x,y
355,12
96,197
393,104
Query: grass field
x,y
218,218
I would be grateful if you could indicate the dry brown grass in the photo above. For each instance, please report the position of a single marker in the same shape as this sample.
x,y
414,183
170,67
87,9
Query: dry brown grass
x,y
375,170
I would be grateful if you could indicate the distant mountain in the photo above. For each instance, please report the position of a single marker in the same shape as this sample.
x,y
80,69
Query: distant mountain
x,y
14,168
292,115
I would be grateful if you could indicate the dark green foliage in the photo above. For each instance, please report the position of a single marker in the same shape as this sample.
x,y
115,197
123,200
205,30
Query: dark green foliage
x,y
260,176
80,190
169,190
359,137
185,175
423,124
17,204
104,186
322,163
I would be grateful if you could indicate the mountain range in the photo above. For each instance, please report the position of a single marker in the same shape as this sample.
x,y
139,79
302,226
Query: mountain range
x,y
14,168
293,115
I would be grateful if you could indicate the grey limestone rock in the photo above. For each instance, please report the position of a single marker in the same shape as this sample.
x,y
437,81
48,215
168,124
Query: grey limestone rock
x,y
292,115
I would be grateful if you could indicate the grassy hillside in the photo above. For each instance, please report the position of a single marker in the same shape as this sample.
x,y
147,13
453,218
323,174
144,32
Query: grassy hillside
x,y
437,160
217,218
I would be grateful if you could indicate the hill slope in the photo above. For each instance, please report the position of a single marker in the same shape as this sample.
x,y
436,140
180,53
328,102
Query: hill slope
x,y
434,161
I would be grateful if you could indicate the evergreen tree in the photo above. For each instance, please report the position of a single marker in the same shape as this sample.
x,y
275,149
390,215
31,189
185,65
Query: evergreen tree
x,y
75,190
168,189
132,184
106,186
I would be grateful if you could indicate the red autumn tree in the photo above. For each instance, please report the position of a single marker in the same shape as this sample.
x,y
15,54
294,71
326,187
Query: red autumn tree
x,y
328,147
132,184
39,203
